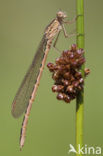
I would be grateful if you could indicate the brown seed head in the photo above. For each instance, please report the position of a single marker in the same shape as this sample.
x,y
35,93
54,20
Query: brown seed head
x,y
66,73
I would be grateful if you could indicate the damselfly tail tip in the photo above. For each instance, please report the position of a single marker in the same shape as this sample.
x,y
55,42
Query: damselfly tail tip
x,y
21,146
22,140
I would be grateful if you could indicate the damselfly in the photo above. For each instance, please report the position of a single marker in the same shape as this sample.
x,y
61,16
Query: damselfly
x,y
27,91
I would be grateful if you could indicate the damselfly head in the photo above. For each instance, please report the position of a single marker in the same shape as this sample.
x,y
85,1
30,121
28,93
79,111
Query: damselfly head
x,y
61,14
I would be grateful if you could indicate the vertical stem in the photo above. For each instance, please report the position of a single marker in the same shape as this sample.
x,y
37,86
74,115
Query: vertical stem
x,y
80,97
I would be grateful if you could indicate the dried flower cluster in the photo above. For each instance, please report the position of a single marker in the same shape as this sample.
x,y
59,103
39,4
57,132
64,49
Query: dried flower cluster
x,y
66,73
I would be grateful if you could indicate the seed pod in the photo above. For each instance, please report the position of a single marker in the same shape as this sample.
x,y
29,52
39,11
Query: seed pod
x,y
50,66
70,89
56,75
57,88
73,47
66,75
65,82
87,71
54,88
78,75
66,98
60,96
81,80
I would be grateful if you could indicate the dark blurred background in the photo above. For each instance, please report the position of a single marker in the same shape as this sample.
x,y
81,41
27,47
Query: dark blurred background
x,y
51,125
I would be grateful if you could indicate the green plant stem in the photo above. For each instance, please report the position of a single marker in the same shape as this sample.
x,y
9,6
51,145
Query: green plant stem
x,y
80,97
